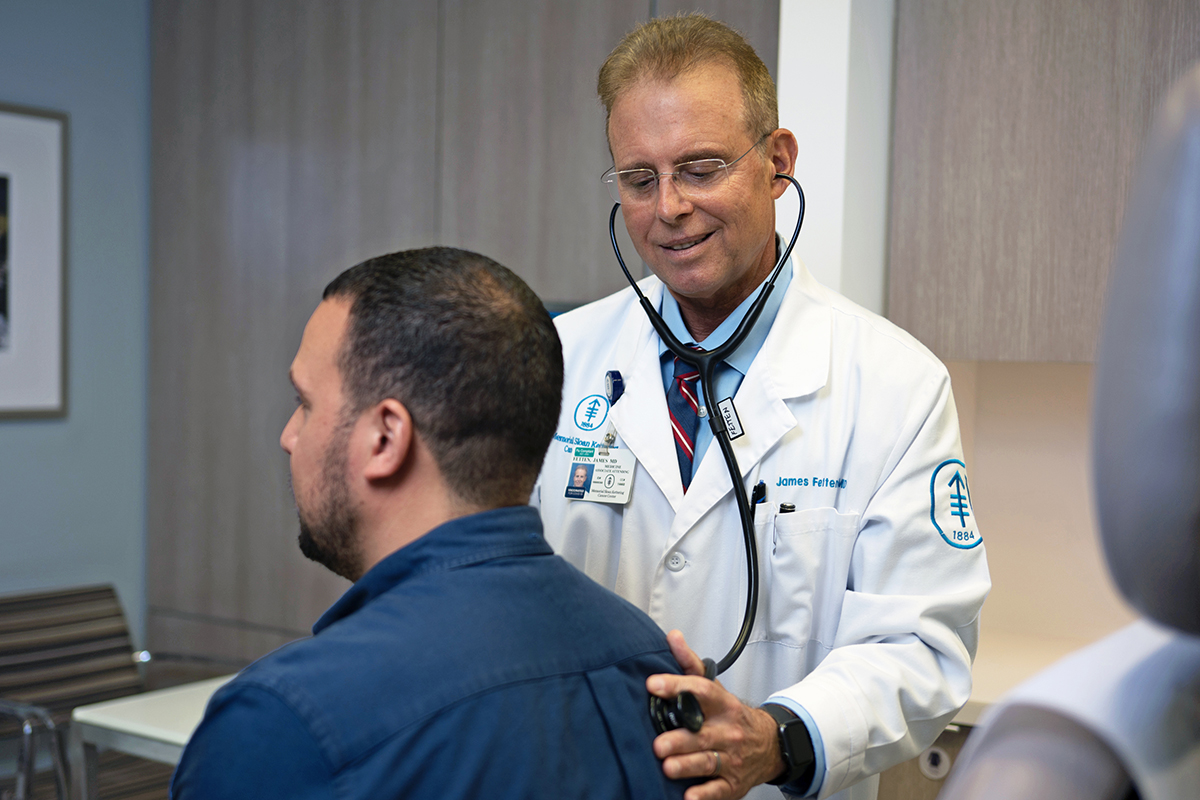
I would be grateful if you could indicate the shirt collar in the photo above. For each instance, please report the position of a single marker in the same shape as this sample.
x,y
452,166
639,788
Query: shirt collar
x,y
742,357
498,533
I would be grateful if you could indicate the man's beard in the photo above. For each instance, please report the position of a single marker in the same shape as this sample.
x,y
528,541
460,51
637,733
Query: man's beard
x,y
330,535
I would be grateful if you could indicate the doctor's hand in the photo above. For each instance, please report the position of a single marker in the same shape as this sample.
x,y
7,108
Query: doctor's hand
x,y
737,747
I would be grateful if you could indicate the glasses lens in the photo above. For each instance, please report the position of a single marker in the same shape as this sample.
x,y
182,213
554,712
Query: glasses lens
x,y
630,185
609,179
697,177
692,178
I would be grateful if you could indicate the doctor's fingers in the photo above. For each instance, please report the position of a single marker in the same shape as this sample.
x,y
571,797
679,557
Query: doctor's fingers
x,y
745,738
712,696
725,730
722,786
729,783
686,657
717,789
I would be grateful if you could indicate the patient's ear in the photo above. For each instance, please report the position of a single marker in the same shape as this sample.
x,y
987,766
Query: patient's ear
x,y
391,439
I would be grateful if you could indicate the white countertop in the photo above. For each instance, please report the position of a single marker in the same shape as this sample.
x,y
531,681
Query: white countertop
x,y
167,715
1007,659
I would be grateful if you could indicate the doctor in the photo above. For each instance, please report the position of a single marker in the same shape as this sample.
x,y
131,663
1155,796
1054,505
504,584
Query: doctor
x,y
873,571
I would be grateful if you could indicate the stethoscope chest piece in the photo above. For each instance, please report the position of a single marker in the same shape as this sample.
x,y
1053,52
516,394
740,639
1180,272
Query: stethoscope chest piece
x,y
681,711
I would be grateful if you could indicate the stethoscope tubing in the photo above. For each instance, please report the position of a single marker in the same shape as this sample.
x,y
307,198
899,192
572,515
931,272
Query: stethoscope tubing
x,y
705,362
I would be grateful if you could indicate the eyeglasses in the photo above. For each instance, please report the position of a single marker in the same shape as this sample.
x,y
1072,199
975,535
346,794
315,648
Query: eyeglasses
x,y
693,179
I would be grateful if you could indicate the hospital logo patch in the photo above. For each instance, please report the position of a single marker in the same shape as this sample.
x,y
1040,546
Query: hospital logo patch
x,y
591,412
950,505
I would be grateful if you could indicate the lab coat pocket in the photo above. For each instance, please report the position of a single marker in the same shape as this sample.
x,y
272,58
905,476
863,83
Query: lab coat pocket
x,y
808,569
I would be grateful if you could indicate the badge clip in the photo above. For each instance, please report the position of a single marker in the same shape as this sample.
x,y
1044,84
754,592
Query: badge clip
x,y
614,386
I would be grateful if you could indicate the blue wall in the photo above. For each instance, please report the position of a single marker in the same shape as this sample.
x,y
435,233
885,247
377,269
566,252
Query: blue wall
x,y
73,490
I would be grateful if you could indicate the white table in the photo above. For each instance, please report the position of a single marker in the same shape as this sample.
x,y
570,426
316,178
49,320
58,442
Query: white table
x,y
153,725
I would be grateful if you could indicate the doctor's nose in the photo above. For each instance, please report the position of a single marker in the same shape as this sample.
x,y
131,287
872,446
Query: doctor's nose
x,y
671,202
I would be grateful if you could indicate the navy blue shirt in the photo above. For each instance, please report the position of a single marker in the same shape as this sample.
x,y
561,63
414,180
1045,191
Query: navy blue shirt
x,y
472,663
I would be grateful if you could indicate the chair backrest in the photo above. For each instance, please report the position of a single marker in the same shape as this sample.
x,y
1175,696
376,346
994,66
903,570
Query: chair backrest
x,y
65,648
1146,414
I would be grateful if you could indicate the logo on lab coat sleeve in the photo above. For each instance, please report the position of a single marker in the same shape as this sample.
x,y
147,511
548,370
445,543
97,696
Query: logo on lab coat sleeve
x,y
591,412
950,505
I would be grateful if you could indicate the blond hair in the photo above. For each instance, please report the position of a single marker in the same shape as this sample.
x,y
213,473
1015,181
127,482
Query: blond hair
x,y
667,47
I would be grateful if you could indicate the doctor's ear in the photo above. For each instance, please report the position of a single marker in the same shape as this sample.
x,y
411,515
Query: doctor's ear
x,y
390,428
783,151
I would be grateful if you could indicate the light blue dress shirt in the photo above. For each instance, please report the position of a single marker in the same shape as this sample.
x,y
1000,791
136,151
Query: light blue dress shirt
x,y
731,371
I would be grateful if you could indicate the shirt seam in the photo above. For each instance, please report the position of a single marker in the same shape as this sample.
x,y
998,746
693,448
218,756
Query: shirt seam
x,y
474,696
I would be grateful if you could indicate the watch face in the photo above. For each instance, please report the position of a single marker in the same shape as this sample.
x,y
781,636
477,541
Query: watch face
x,y
799,742
795,745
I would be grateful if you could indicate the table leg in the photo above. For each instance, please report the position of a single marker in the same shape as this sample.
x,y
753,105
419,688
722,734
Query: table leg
x,y
82,757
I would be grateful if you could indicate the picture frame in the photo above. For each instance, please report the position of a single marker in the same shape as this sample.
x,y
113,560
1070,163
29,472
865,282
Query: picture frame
x,y
33,262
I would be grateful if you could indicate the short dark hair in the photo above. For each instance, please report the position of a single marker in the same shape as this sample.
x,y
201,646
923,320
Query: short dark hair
x,y
470,351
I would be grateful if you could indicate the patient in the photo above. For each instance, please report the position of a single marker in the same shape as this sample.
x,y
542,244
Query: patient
x,y
466,660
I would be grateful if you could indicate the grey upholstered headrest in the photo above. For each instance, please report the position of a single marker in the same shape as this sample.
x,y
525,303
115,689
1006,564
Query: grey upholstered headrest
x,y
1146,434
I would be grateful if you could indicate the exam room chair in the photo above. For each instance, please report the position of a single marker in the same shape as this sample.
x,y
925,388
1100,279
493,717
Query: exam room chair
x,y
59,650
1146,473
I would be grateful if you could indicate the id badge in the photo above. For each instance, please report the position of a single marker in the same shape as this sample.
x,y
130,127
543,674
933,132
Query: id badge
x,y
600,475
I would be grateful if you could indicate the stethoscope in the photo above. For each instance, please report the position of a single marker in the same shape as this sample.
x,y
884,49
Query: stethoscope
x,y
705,363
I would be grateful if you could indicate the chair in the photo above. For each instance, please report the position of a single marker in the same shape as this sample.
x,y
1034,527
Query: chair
x,y
59,650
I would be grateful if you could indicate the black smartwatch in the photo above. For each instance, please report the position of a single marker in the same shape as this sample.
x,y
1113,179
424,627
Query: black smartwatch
x,y
795,745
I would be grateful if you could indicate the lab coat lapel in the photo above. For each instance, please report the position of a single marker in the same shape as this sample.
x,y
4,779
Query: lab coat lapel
x,y
640,416
793,362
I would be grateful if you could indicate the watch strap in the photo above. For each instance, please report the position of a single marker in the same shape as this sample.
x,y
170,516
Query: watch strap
x,y
795,746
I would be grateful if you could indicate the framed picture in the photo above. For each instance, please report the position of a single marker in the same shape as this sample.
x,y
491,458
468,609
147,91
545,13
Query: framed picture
x,y
33,258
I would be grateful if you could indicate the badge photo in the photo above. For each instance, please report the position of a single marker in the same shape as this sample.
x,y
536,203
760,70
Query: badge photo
x,y
581,480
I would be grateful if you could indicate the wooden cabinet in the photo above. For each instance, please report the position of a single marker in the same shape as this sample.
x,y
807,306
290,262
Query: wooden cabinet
x,y
923,777
289,141
523,141
1017,126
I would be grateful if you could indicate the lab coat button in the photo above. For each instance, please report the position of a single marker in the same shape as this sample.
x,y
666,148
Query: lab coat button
x,y
675,562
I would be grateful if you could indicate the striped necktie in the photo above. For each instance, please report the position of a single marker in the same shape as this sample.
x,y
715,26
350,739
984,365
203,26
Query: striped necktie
x,y
684,408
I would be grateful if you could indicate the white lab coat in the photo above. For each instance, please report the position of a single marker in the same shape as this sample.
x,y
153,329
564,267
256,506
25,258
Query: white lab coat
x,y
868,616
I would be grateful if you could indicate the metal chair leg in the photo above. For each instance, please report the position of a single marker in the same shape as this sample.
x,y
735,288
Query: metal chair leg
x,y
26,757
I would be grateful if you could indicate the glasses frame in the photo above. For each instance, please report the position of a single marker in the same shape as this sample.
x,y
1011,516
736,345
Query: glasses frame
x,y
611,176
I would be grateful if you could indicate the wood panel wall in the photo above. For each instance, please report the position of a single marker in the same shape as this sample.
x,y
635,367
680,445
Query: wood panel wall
x,y
292,139
1016,132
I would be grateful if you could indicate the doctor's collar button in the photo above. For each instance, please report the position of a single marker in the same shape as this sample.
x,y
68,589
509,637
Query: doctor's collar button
x,y
703,412
676,562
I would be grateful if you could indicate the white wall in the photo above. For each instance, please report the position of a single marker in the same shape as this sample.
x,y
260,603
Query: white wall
x,y
72,490
835,89
1027,448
